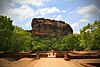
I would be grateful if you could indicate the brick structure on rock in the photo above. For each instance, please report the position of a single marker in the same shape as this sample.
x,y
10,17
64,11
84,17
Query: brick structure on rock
x,y
41,26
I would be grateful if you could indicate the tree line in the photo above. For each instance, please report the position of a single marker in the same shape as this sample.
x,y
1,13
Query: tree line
x,y
16,39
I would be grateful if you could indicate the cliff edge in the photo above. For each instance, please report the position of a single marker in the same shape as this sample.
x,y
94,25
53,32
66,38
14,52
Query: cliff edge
x,y
41,26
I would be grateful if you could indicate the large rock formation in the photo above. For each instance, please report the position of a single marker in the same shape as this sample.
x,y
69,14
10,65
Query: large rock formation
x,y
41,26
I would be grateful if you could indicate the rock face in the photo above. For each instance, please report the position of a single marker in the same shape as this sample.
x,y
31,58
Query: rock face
x,y
41,26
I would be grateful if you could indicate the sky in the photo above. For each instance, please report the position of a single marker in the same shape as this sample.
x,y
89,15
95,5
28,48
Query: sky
x,y
77,13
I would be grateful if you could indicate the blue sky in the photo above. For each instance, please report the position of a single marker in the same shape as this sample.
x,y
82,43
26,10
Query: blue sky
x,y
77,13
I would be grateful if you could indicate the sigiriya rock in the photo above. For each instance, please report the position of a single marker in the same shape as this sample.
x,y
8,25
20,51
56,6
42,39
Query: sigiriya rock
x,y
41,26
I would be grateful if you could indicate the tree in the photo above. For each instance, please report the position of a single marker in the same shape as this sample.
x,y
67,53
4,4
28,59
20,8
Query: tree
x,y
21,39
6,33
89,39
39,46
71,42
95,35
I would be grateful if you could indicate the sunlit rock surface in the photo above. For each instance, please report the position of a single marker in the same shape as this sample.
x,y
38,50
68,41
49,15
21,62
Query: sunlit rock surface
x,y
41,26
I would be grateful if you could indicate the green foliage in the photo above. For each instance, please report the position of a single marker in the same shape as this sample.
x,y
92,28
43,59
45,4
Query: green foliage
x,y
6,32
88,39
71,42
21,39
90,36
14,38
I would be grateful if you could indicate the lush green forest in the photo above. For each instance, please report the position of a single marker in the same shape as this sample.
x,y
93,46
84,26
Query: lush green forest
x,y
14,38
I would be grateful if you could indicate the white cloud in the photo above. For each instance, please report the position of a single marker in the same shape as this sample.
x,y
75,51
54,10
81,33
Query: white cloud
x,y
44,11
84,20
88,11
64,11
77,32
48,10
20,13
33,2
73,25
59,17
71,12
28,24
6,4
